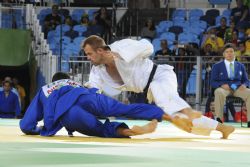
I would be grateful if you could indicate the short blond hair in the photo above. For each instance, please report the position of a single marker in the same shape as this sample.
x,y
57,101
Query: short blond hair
x,y
94,41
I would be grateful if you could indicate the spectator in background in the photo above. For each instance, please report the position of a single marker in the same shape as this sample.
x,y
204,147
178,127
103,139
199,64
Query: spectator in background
x,y
10,107
240,51
164,53
71,33
52,20
94,29
84,20
13,89
240,14
149,31
21,92
220,30
182,68
69,21
229,32
209,53
216,42
235,39
103,19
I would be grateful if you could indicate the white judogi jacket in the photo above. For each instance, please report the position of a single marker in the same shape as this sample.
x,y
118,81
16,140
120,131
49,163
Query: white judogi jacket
x,y
134,68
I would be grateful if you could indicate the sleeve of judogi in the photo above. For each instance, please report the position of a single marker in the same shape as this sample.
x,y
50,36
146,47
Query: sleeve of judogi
x,y
129,49
33,114
95,80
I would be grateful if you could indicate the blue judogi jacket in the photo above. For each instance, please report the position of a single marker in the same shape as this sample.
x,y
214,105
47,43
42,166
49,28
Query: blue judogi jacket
x,y
44,106
9,106
219,75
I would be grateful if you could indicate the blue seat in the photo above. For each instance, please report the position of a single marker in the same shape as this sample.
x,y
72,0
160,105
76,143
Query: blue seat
x,y
181,23
168,36
77,14
195,30
78,40
179,13
43,13
194,19
163,26
64,28
191,84
176,30
196,13
220,2
156,44
199,23
91,13
226,12
80,29
188,37
217,20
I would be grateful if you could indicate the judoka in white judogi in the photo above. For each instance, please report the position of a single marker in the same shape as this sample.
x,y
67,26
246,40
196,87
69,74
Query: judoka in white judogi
x,y
125,66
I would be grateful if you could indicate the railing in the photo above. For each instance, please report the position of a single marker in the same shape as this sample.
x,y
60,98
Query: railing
x,y
47,63
193,75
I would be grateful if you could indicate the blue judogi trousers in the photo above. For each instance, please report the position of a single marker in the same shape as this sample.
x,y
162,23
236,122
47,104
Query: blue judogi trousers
x,y
83,115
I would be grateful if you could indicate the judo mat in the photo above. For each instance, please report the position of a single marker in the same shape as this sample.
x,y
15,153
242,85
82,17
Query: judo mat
x,y
167,146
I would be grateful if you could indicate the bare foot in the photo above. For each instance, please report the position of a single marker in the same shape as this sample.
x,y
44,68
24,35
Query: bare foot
x,y
227,130
148,128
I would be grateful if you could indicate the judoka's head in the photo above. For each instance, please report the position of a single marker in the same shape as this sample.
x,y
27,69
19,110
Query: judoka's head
x,y
228,52
95,49
60,75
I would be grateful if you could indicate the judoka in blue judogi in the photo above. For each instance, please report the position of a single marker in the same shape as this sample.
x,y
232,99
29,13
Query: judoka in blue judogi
x,y
65,103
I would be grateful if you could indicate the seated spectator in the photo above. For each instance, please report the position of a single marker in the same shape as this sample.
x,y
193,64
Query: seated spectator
x,y
85,20
9,107
229,77
71,33
21,92
182,68
242,36
220,30
164,53
209,53
229,32
103,18
240,14
149,30
52,20
215,41
94,29
13,89
240,51
235,39
69,21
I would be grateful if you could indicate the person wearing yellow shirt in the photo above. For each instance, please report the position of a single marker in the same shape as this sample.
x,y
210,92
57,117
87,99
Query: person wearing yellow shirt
x,y
216,42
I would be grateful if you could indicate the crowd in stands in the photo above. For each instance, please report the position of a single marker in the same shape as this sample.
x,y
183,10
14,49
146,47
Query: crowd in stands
x,y
12,98
233,27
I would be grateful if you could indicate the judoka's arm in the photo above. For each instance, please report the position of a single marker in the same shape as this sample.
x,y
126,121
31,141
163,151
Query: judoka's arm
x,y
95,80
34,113
129,49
